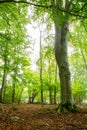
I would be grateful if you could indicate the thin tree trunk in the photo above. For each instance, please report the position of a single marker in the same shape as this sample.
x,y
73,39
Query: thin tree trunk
x,y
13,93
50,94
3,83
55,83
50,87
15,73
20,95
14,84
41,73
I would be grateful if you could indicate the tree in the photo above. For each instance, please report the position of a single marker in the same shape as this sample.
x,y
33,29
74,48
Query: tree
x,y
61,43
61,11
5,68
49,58
78,60
12,35
41,68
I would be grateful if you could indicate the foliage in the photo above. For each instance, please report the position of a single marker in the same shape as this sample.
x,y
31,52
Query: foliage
x,y
15,62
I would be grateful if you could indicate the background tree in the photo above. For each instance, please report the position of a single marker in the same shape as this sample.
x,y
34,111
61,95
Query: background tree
x,y
12,44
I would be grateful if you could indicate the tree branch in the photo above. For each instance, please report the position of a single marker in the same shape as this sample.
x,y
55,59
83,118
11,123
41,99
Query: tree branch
x,y
25,2
81,8
71,13
45,6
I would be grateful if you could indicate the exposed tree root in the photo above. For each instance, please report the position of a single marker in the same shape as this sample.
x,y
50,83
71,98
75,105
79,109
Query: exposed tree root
x,y
65,108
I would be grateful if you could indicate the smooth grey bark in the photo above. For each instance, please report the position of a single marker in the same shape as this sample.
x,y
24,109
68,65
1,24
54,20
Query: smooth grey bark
x,y
61,21
61,55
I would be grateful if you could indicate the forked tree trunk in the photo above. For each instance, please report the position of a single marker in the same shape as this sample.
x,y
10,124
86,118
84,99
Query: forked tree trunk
x,y
61,43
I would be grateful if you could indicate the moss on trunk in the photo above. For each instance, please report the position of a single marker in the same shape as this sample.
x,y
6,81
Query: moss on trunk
x,y
65,108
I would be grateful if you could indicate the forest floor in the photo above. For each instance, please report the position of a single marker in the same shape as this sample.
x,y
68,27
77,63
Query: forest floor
x,y
36,117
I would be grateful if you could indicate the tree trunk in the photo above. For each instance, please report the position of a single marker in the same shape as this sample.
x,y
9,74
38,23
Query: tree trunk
x,y
14,83
13,93
61,43
20,95
61,20
55,83
50,87
41,73
3,83
50,93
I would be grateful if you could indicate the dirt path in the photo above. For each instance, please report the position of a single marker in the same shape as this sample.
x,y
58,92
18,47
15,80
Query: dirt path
x,y
36,117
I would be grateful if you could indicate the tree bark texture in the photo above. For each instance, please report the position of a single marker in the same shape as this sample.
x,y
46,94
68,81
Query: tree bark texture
x,y
61,55
61,44
61,21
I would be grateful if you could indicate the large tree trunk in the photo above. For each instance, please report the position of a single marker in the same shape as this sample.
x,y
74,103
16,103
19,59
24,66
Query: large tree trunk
x,y
61,20
61,43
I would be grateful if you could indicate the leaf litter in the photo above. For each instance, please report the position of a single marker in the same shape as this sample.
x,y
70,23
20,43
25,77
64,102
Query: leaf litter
x,y
36,117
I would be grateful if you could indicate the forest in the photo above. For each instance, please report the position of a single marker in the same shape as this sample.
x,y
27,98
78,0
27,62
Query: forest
x,y
43,66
